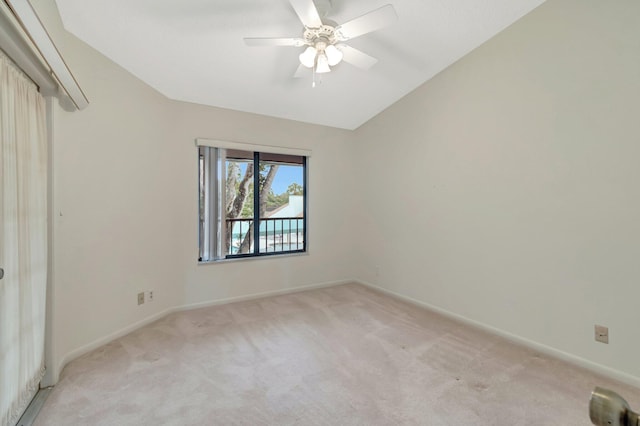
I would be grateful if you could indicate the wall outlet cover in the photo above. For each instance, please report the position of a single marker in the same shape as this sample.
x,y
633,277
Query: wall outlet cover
x,y
602,334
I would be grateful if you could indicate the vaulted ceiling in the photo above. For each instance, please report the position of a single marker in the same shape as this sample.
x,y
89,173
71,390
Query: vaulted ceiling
x,y
193,50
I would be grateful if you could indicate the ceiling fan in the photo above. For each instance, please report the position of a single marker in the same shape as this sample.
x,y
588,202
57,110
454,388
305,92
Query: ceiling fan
x,y
324,38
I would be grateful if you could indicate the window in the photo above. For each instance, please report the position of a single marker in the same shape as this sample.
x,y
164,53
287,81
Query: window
x,y
252,203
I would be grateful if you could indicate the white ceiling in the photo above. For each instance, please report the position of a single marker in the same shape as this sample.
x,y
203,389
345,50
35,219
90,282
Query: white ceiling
x,y
193,50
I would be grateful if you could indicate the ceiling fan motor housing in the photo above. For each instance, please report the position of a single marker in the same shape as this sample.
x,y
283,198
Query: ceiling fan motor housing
x,y
325,33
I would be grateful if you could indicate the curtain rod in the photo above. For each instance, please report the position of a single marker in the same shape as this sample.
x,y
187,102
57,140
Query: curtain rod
x,y
33,28
16,48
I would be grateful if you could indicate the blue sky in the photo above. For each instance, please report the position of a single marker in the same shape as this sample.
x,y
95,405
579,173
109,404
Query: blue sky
x,y
286,176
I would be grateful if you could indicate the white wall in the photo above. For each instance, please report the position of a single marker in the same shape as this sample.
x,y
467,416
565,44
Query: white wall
x,y
125,204
507,189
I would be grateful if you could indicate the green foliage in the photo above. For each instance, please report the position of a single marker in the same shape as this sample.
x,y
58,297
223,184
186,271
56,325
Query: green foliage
x,y
294,189
274,201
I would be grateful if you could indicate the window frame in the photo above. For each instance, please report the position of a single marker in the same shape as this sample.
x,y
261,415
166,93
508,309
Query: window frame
x,y
211,221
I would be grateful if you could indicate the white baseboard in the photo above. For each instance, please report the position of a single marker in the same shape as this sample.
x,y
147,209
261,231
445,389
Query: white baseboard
x,y
539,347
573,359
70,356
260,295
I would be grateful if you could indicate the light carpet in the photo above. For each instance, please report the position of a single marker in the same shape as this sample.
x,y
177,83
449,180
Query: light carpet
x,y
344,355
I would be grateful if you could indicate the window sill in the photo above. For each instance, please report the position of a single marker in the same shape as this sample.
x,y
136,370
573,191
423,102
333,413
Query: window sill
x,y
244,259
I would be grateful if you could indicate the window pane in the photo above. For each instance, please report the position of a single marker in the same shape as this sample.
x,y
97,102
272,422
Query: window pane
x,y
281,203
235,220
239,203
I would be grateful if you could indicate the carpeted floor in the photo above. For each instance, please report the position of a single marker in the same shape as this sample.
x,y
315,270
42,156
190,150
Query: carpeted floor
x,y
343,355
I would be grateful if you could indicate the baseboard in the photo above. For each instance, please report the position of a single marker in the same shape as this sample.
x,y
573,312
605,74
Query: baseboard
x,y
539,347
261,295
132,327
547,350
70,356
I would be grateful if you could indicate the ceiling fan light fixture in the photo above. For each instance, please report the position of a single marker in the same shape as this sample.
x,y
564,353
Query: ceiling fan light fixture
x,y
322,64
308,57
334,55
323,40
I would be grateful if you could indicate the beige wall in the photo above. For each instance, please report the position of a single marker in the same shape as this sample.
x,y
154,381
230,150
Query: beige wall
x,y
507,189
329,192
125,205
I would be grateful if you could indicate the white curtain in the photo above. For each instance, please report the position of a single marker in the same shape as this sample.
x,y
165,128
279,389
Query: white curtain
x,y
23,239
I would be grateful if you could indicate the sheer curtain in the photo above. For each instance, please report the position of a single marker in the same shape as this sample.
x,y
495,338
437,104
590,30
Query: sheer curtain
x,y
23,239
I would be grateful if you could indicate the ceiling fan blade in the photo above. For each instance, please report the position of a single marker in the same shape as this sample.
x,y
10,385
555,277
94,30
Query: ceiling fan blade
x,y
266,41
307,12
366,23
356,57
301,71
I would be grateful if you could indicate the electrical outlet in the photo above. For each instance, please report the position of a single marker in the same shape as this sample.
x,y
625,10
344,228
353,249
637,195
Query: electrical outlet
x,y
150,295
140,298
602,334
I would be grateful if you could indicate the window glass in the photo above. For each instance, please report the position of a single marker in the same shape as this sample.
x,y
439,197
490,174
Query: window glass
x,y
251,203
